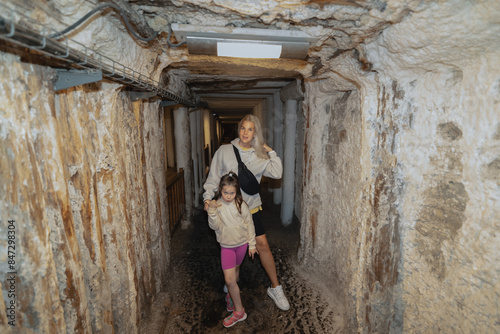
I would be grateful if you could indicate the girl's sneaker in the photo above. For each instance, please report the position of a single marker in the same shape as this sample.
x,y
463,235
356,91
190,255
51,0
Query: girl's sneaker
x,y
234,318
229,303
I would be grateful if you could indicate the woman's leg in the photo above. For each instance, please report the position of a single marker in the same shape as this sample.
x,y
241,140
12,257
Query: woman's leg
x,y
233,288
267,259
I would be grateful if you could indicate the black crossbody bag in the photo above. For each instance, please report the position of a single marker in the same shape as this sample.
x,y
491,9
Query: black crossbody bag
x,y
248,182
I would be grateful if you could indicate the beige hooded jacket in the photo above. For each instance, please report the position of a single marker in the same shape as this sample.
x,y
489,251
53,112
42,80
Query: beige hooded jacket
x,y
232,229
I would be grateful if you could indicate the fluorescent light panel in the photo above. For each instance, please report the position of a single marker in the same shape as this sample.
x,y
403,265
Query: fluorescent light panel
x,y
248,50
203,40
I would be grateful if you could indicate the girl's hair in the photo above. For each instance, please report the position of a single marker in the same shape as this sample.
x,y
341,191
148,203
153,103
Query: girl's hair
x,y
230,179
258,140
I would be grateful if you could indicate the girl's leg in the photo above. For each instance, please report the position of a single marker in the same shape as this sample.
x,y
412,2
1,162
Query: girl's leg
x,y
231,261
233,288
267,259
237,269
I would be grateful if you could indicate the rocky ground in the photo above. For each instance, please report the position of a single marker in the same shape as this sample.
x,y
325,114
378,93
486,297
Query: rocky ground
x,y
194,301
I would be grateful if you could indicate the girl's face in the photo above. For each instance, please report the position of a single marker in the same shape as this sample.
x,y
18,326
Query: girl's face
x,y
247,132
228,193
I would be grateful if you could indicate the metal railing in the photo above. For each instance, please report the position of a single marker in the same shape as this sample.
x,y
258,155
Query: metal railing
x,y
19,29
176,200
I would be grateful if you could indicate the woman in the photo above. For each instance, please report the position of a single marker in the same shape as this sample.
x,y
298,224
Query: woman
x,y
261,160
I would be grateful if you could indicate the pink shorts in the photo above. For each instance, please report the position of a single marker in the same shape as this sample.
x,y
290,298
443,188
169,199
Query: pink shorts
x,y
232,257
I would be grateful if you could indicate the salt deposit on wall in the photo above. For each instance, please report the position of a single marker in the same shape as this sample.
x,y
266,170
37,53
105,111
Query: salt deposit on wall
x,y
83,177
424,234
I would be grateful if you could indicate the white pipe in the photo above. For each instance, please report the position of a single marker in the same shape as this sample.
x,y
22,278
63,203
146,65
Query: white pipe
x,y
269,131
170,138
201,157
182,151
194,153
181,139
289,162
278,140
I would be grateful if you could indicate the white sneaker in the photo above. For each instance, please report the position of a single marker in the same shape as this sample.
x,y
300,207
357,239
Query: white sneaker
x,y
279,298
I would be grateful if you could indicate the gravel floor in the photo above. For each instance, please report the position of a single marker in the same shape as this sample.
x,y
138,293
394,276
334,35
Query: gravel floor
x,y
193,301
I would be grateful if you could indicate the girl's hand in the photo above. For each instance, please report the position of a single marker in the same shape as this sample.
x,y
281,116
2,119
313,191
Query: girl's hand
x,y
267,148
251,252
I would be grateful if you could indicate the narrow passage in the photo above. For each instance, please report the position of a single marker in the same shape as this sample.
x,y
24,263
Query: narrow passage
x,y
194,301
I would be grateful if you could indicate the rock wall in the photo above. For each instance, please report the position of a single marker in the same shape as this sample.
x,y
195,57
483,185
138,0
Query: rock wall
x,y
412,246
83,177
451,231
446,81
331,177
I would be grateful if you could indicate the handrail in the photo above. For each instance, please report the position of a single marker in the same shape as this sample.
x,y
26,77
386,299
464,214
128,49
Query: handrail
x,y
176,201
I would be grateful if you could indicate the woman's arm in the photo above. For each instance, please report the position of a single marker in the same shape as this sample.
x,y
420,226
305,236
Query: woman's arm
x,y
247,218
274,168
213,218
214,175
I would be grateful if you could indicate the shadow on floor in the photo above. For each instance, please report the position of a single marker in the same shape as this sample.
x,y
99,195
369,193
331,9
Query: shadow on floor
x,y
194,301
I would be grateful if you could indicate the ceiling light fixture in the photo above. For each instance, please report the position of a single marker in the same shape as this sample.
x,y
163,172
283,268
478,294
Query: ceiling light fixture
x,y
244,49
243,42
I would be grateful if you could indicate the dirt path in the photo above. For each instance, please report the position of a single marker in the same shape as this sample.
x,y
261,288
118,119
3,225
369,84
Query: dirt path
x,y
194,301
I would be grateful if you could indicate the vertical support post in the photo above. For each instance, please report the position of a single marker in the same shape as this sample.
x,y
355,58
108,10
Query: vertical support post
x,y
269,131
278,140
289,162
169,135
182,154
270,121
200,144
194,154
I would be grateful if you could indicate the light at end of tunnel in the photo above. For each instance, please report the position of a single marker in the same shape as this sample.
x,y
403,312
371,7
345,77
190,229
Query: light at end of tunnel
x,y
248,50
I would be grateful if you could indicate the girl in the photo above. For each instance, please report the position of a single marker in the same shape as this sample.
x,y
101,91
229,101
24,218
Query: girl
x,y
261,160
230,218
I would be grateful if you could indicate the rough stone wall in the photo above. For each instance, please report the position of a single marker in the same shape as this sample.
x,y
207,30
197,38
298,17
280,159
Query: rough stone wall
x,y
377,239
82,176
452,236
420,255
299,161
331,179
445,83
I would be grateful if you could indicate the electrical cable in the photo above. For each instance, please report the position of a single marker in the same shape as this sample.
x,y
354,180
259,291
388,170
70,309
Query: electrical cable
x,y
168,38
98,8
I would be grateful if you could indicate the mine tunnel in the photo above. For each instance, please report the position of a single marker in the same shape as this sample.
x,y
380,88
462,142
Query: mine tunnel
x,y
385,115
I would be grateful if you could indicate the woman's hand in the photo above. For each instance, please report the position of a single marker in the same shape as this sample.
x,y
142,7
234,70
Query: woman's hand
x,y
211,204
251,252
267,148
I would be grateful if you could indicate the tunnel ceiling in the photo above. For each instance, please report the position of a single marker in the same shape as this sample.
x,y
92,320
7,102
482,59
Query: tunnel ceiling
x,y
234,86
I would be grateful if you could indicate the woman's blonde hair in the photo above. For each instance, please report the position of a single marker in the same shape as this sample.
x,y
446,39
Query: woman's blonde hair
x,y
258,140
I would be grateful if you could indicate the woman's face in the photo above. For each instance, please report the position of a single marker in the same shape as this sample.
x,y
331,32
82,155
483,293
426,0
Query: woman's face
x,y
228,193
247,132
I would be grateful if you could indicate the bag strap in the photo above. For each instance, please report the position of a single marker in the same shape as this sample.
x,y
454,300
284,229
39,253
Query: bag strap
x,y
237,153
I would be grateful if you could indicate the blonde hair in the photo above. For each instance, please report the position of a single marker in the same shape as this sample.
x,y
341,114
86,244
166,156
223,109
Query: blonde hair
x,y
258,140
